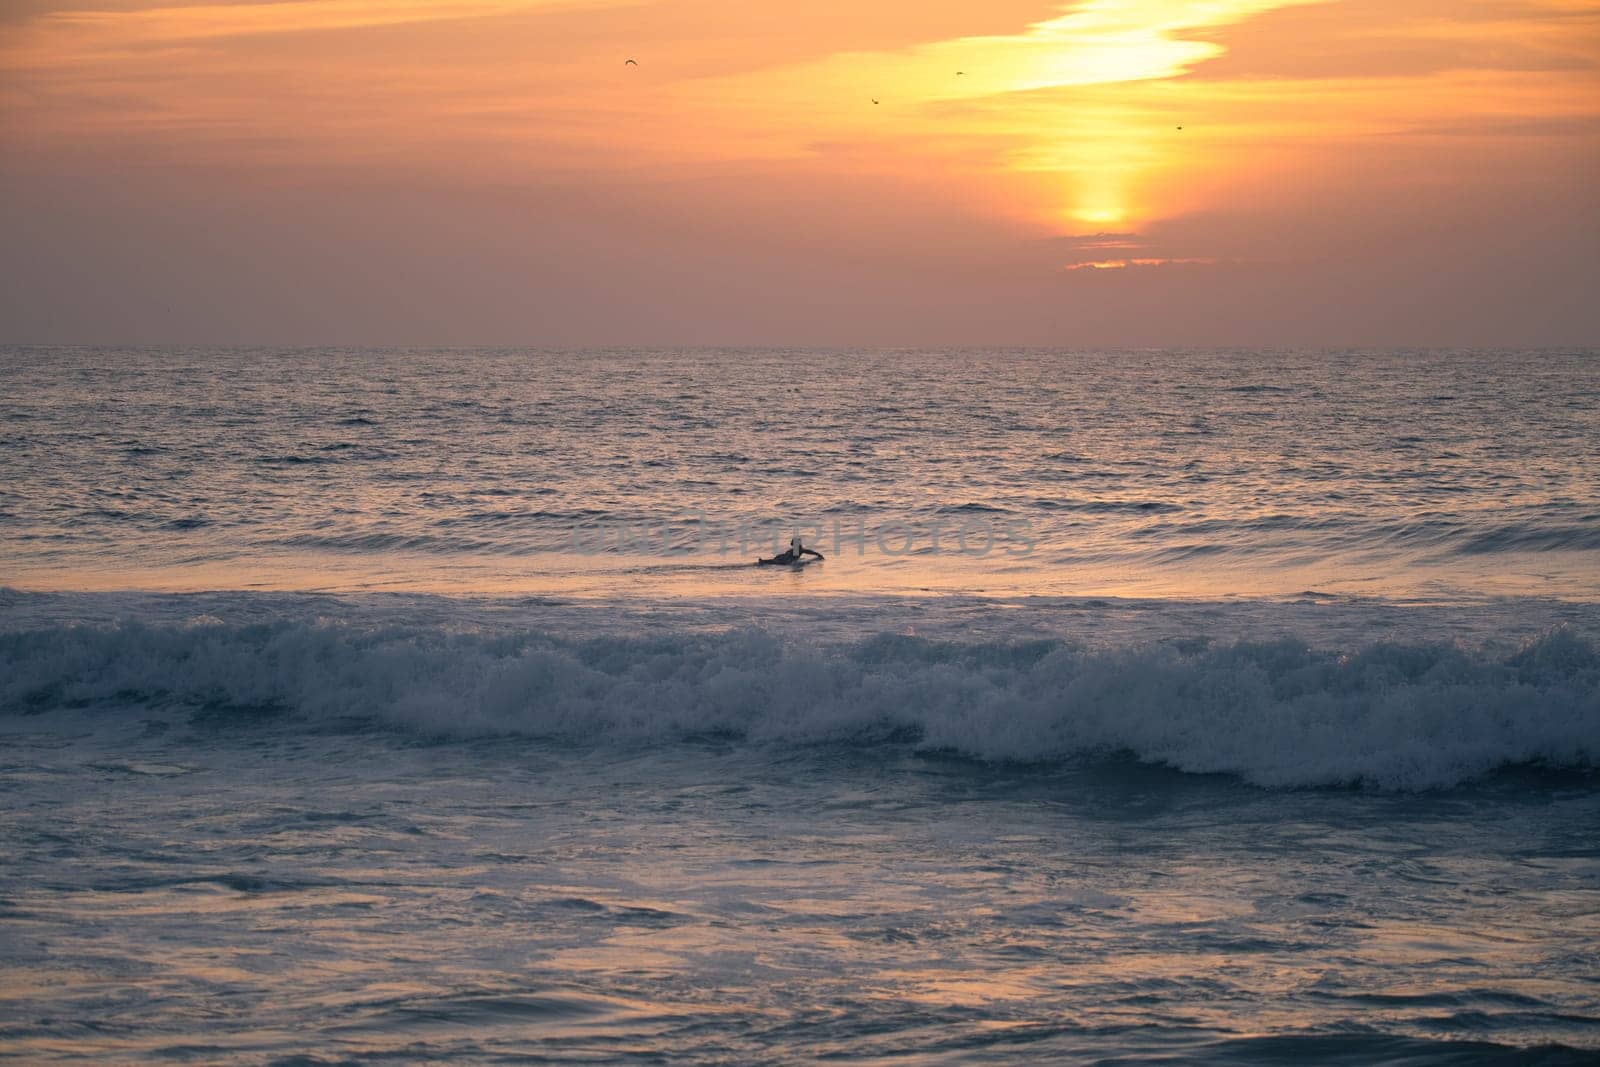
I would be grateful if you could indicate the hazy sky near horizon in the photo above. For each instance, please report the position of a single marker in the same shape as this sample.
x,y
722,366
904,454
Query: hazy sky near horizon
x,y
1100,172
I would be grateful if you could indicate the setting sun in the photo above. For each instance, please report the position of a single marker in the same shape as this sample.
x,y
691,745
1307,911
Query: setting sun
x,y
1248,138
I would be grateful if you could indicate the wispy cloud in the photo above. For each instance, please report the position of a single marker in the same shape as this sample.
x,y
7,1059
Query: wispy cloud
x,y
1097,116
1151,261
170,24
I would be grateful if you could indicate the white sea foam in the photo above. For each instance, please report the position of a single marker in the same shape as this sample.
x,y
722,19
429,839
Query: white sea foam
x,y
1277,713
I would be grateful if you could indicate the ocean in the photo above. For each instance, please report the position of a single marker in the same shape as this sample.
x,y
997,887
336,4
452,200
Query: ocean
x,y
372,705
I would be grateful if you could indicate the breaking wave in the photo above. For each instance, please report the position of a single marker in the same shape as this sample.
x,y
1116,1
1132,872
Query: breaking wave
x,y
1278,713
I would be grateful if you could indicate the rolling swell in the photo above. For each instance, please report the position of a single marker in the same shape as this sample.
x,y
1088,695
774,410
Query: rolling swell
x,y
1280,713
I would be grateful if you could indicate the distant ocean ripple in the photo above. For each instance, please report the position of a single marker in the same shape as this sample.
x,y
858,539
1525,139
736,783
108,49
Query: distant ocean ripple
x,y
1380,473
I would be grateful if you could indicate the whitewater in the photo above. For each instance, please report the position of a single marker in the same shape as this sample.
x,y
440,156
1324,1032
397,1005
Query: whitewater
x,y
365,705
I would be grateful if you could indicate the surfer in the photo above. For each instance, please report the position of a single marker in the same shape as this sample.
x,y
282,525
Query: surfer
x,y
795,553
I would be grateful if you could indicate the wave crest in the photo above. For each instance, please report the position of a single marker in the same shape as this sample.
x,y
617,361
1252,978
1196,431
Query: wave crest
x,y
1276,713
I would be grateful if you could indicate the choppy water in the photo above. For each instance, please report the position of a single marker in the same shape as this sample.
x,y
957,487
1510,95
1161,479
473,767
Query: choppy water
x,y
323,740
1432,474
173,896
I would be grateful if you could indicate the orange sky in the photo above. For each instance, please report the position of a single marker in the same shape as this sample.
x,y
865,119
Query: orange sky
x,y
490,171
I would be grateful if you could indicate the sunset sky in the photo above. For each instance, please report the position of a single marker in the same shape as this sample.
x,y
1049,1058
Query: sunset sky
x,y
1101,172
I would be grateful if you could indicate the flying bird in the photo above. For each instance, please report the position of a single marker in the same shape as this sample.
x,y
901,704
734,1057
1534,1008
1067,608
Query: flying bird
x,y
959,73
1180,127
874,100
630,62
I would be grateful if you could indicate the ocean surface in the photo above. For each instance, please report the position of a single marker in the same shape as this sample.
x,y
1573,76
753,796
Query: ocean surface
x,y
369,705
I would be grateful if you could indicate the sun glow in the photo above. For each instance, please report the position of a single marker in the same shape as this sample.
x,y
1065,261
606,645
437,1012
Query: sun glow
x,y
1090,215
1044,117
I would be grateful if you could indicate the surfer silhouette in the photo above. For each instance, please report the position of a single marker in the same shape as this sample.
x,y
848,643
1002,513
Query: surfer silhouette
x,y
793,554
